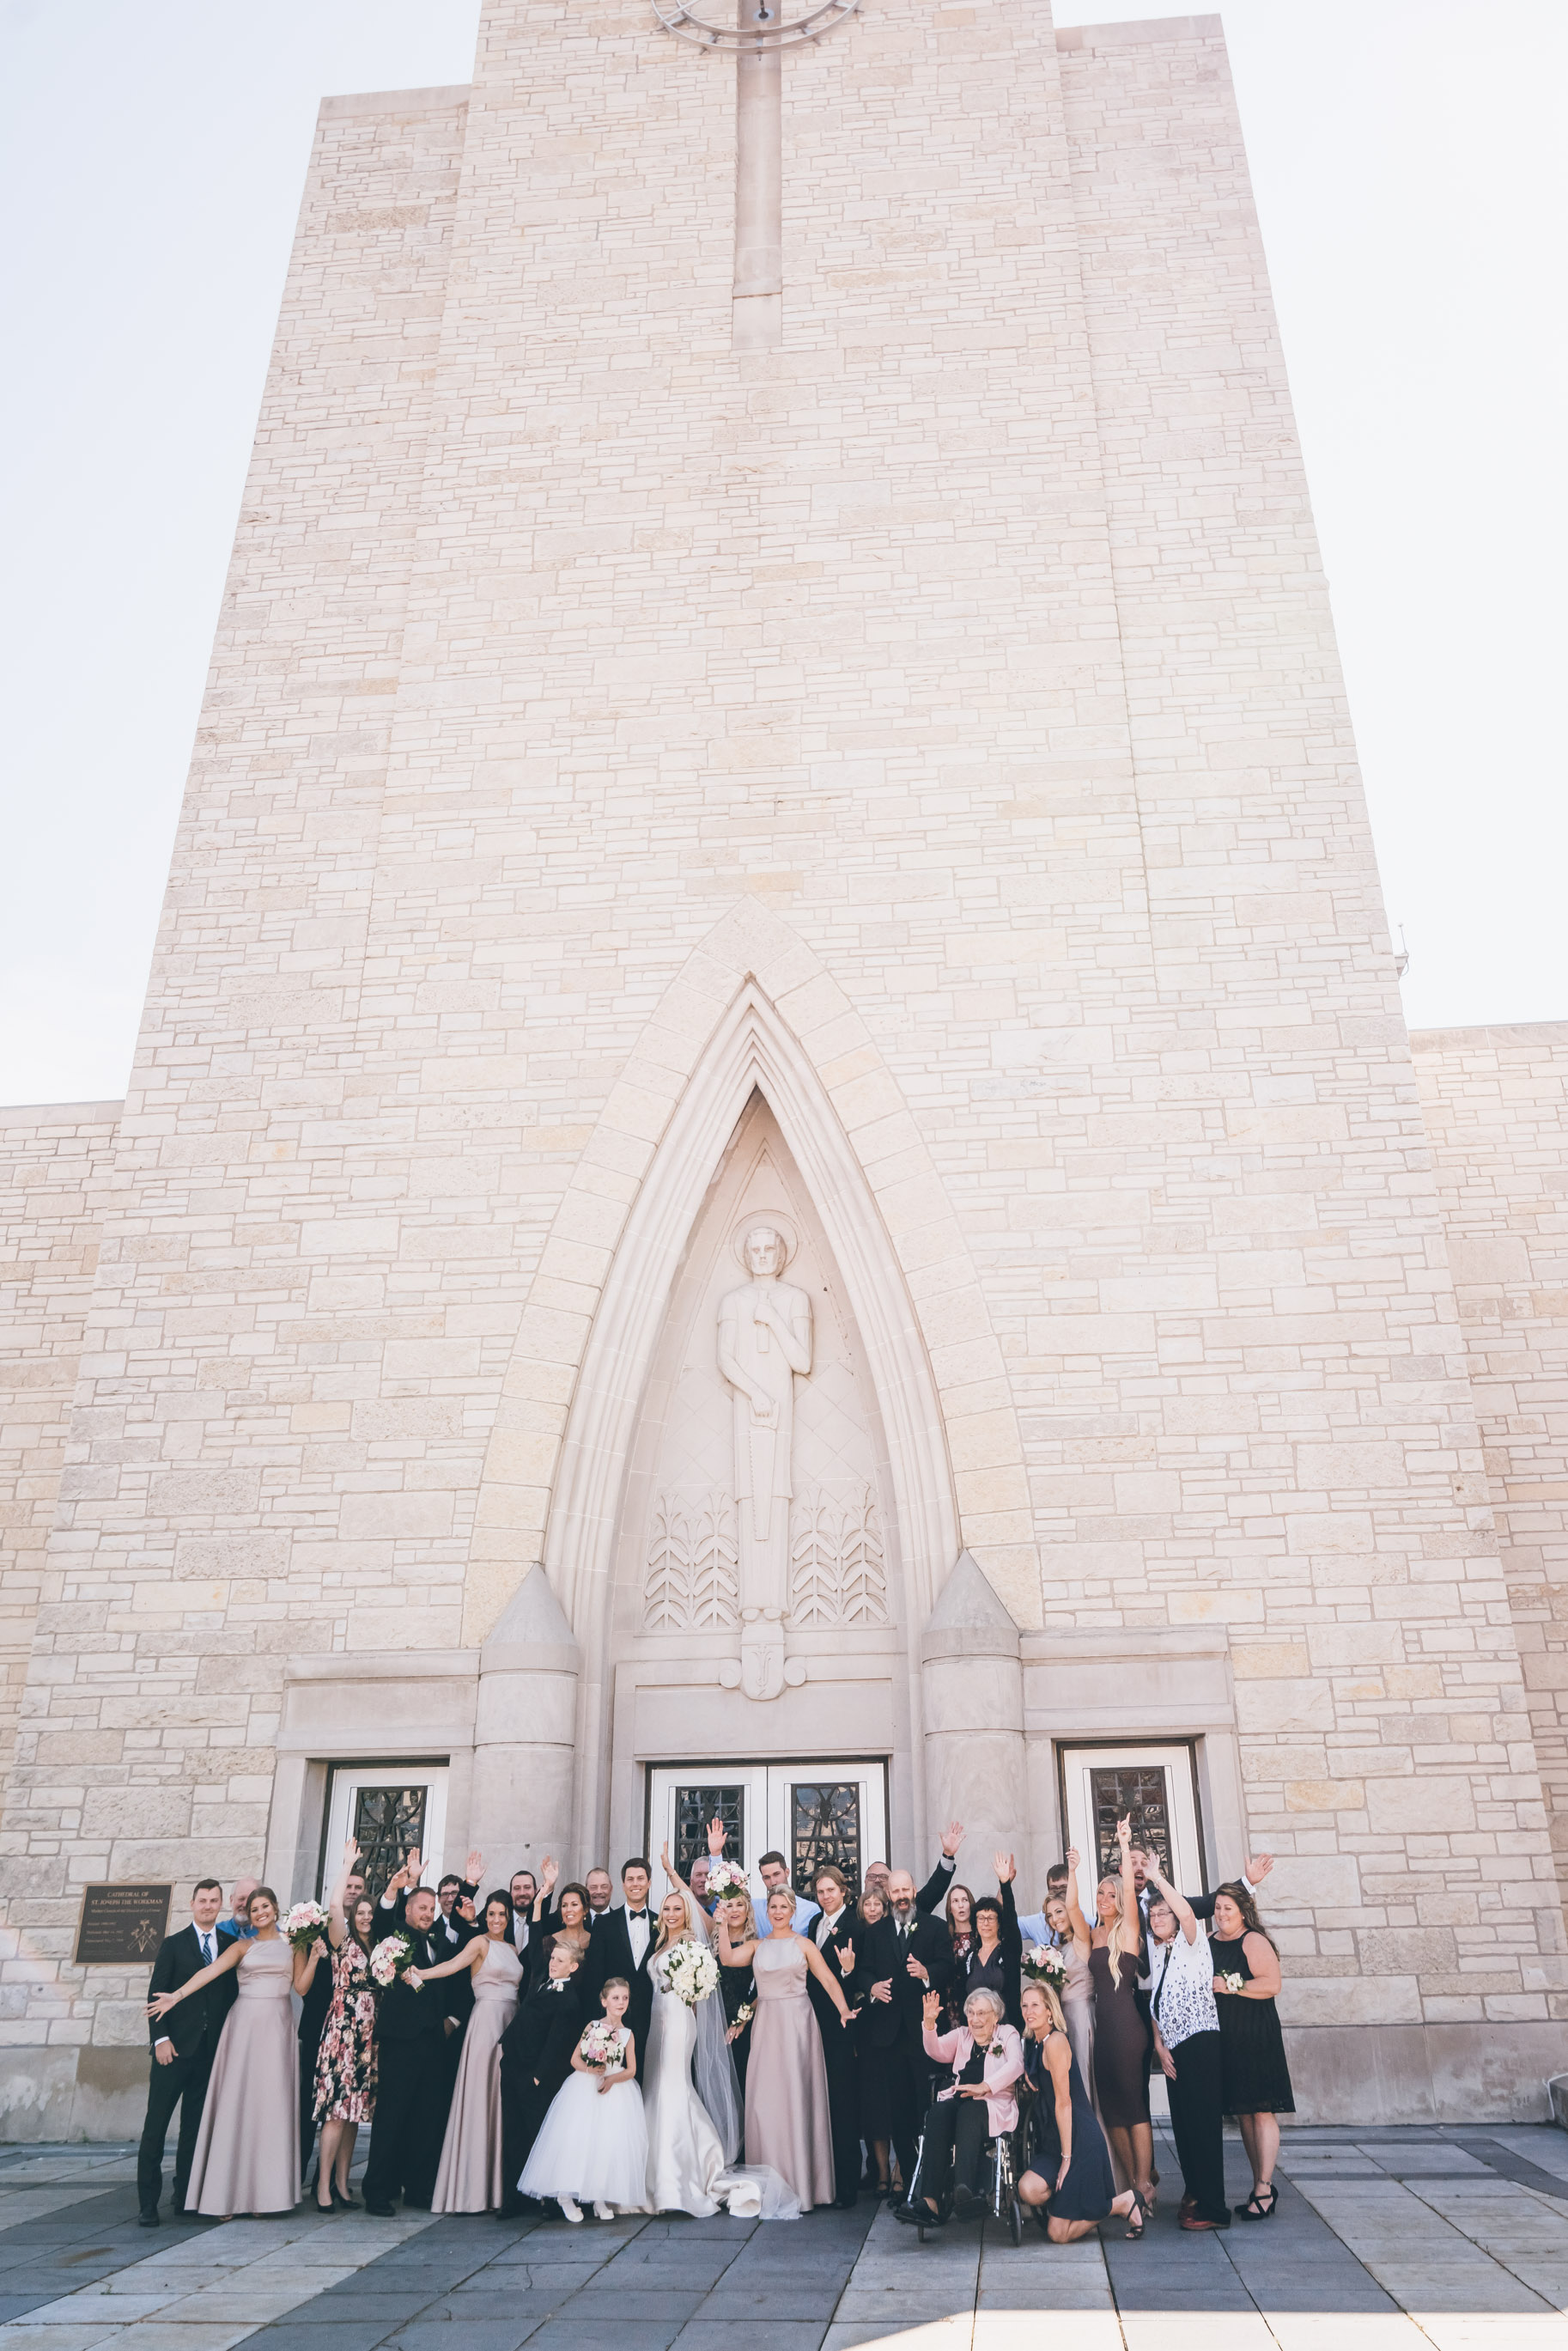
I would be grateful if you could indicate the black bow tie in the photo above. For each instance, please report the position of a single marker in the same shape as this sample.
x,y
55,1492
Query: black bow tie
x,y
637,1914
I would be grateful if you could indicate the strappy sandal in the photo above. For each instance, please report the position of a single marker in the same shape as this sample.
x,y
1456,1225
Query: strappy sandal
x,y
1255,2208
1140,2211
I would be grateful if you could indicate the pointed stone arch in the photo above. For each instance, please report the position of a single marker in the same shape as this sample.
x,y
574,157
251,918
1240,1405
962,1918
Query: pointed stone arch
x,y
752,1008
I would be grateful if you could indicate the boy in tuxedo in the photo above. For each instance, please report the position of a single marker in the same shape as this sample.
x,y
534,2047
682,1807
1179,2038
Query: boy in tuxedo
x,y
535,2059
185,2044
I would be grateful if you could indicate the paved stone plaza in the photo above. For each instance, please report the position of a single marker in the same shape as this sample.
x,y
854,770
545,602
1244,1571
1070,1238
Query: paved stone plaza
x,y
1383,2239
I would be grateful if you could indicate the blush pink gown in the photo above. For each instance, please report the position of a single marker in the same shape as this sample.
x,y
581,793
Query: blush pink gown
x,y
786,2078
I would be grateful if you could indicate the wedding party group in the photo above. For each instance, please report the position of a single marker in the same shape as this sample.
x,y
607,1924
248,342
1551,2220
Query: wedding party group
x,y
741,2045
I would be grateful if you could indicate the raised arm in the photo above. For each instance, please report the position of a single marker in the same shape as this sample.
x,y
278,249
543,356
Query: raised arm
x,y
1186,1914
336,1923
1132,1917
548,1873
825,1976
1082,1931
673,1874
934,1892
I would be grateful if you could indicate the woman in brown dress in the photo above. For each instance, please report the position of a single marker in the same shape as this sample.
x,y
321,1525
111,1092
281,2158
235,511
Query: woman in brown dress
x,y
345,2087
1122,2043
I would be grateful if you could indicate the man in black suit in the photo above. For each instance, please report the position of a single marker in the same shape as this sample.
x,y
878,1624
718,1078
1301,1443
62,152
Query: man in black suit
x,y
621,1944
183,2045
833,1932
907,1955
535,2058
412,2087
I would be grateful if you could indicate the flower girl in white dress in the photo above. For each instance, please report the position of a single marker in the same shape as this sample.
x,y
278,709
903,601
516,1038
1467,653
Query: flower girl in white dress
x,y
593,2148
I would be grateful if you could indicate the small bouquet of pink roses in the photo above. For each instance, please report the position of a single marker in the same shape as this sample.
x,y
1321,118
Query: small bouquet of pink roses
x,y
1041,1965
304,1924
599,2049
392,1957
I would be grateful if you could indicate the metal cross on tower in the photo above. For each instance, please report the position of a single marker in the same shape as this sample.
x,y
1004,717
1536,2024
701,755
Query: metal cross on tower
x,y
761,32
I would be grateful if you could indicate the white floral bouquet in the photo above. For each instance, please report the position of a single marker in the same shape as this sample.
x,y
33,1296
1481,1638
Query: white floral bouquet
x,y
1041,1965
600,2047
391,1958
304,1924
692,1972
1230,1980
726,1879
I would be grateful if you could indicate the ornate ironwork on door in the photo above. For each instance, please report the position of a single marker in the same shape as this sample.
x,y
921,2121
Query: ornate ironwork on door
x,y
389,1824
824,1826
694,1808
1140,1789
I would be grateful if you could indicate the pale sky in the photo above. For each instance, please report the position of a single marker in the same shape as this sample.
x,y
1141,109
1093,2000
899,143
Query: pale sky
x,y
1409,165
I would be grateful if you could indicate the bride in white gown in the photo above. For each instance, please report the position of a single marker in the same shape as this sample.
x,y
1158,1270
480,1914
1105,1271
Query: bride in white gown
x,y
693,2095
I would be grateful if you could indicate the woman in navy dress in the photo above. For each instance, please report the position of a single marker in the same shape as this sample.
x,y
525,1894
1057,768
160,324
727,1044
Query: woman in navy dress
x,y
1069,2183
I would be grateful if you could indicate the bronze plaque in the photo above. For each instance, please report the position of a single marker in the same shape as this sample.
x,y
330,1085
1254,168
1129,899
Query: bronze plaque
x,y
121,1925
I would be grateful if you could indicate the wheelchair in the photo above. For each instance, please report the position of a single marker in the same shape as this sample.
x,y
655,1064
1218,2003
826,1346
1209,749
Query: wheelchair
x,y
1006,2161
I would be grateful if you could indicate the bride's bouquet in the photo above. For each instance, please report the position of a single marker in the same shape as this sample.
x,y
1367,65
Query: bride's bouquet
x,y
304,1924
1041,1965
599,2049
392,1957
725,1880
692,1972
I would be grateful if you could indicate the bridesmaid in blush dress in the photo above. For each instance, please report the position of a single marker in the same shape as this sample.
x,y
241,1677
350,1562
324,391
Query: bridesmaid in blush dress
x,y
247,2150
787,2123
470,2177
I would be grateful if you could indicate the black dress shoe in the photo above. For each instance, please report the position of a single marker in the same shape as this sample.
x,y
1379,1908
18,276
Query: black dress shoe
x,y
967,2205
845,2203
918,2215
148,2220
381,2211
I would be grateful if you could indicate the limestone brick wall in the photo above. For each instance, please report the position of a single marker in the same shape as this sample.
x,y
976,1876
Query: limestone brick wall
x,y
147,1749
1495,1102
1273,1425
960,676
52,1163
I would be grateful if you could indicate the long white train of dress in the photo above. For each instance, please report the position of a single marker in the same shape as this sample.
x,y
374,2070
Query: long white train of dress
x,y
687,2169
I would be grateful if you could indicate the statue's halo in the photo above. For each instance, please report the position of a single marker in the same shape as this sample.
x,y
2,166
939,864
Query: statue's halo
x,y
782,1226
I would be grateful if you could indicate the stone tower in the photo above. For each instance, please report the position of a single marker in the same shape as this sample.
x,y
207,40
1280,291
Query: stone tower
x,y
776,669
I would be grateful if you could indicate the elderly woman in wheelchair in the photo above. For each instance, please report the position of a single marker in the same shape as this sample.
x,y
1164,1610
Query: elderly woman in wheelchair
x,y
978,2108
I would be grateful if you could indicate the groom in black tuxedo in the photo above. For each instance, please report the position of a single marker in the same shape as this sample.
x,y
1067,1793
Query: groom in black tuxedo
x,y
412,2087
622,1945
905,1956
535,2059
185,2044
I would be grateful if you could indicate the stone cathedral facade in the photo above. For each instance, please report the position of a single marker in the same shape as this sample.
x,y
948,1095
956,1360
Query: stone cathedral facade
x,y
772,1160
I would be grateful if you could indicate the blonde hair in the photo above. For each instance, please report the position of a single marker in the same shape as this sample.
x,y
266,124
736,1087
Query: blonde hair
x,y
1048,1994
1117,1939
663,1939
747,1933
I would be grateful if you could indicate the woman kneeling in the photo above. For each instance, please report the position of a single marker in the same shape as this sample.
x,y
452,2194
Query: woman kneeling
x,y
978,2103
1069,2162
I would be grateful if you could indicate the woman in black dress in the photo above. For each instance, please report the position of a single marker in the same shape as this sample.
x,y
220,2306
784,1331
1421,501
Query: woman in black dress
x,y
1122,2041
1068,2162
1257,2080
738,1986
959,1912
995,1953
875,2107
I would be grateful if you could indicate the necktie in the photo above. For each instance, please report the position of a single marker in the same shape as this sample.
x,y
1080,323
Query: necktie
x,y
206,1950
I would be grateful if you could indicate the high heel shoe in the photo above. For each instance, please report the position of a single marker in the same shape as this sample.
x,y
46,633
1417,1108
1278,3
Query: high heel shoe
x,y
1255,2208
344,2202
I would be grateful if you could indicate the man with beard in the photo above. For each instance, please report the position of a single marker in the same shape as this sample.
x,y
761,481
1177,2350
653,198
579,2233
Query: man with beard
x,y
905,1955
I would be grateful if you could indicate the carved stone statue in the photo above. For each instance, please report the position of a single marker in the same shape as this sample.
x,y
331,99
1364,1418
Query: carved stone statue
x,y
764,1344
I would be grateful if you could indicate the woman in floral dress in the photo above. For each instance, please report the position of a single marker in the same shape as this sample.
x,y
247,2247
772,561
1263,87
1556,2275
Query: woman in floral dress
x,y
345,2067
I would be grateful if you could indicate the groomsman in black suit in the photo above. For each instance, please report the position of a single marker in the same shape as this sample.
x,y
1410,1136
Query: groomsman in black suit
x,y
833,1932
413,2088
621,1944
535,2059
183,2045
906,1956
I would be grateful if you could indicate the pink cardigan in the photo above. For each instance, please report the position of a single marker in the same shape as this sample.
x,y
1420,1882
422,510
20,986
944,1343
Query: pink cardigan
x,y
1003,2065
